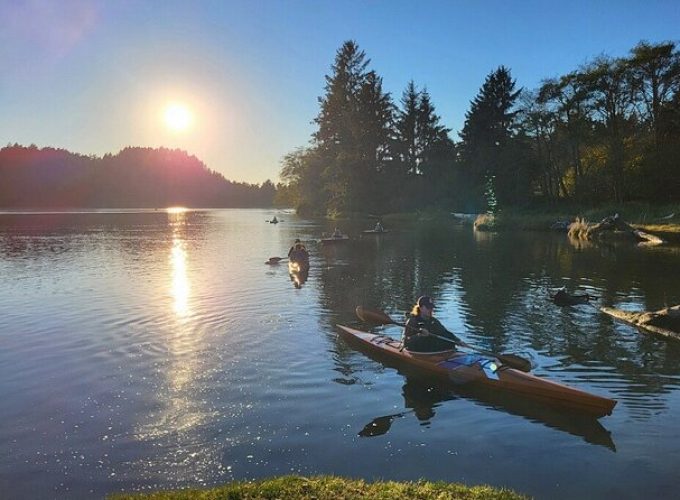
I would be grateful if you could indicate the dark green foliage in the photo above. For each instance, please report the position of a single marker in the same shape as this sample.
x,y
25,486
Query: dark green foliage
x,y
424,153
367,155
351,143
607,132
490,144
135,177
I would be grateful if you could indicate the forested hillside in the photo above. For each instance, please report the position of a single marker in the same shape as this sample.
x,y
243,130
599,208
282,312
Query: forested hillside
x,y
134,178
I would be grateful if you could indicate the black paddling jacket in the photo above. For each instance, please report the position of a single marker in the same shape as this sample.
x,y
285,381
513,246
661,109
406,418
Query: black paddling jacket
x,y
416,343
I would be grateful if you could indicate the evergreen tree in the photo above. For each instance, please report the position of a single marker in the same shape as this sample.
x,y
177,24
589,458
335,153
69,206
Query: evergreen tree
x,y
435,146
406,146
352,141
488,146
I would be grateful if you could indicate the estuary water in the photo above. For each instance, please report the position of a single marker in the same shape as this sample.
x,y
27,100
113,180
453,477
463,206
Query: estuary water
x,y
153,349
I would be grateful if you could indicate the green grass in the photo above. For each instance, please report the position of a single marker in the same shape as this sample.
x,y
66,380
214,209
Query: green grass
x,y
331,488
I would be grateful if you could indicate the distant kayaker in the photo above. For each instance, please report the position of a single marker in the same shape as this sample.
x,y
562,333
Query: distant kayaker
x,y
336,233
421,326
298,252
378,227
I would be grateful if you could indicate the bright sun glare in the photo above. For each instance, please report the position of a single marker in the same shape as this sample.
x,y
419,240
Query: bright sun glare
x,y
178,117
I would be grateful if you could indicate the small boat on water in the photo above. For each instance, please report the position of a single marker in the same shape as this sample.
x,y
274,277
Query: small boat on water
x,y
335,239
374,231
476,369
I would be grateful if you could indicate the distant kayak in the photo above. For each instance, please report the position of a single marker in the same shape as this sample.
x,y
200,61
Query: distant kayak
x,y
327,241
373,231
463,368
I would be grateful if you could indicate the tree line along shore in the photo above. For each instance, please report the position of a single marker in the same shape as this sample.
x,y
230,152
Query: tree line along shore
x,y
605,134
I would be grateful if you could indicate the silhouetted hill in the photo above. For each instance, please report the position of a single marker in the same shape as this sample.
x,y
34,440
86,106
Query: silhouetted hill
x,y
134,178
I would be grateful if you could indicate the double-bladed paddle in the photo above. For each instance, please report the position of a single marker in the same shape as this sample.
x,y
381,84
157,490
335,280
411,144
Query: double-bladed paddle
x,y
512,360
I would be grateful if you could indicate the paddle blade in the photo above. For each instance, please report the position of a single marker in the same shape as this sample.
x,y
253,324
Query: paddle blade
x,y
374,316
516,362
274,260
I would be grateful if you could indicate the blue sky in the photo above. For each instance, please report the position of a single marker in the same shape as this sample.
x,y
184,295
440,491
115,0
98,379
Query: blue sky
x,y
95,76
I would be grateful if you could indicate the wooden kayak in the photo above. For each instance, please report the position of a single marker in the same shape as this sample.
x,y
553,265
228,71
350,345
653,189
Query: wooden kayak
x,y
373,231
475,369
298,266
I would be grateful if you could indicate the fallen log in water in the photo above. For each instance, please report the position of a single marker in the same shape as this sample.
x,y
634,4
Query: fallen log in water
x,y
665,322
612,224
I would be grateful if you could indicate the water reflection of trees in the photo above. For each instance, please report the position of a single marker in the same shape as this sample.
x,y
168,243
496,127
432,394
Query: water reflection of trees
x,y
501,284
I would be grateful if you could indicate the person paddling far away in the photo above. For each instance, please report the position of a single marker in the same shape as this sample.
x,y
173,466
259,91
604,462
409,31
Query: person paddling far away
x,y
379,227
298,252
421,327
337,234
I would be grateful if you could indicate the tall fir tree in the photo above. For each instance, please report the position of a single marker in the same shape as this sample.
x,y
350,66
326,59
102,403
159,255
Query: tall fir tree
x,y
352,140
489,146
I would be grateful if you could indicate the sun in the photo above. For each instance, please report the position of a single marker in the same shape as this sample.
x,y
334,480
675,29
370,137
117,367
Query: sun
x,y
178,117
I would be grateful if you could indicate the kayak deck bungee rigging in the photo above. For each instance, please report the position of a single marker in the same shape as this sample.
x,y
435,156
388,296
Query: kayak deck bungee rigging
x,y
465,368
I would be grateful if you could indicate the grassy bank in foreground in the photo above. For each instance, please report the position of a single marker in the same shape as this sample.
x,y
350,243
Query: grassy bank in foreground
x,y
331,488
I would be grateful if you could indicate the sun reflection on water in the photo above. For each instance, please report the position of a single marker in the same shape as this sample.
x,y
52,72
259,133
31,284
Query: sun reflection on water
x,y
180,282
178,260
174,428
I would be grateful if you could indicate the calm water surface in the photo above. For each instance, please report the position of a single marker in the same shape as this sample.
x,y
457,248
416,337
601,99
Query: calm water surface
x,y
147,350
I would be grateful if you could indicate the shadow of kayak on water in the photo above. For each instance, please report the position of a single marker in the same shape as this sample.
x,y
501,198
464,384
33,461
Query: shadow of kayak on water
x,y
423,395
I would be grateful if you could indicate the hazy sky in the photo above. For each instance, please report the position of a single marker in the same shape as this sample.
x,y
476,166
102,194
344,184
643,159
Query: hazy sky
x,y
96,76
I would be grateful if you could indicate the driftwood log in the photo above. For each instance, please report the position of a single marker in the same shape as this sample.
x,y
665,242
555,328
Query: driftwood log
x,y
612,224
664,322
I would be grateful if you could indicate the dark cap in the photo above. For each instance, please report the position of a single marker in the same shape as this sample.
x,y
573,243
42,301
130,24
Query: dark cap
x,y
425,301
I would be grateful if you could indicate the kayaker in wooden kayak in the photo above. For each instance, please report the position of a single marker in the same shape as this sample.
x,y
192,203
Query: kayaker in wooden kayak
x,y
298,252
423,329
